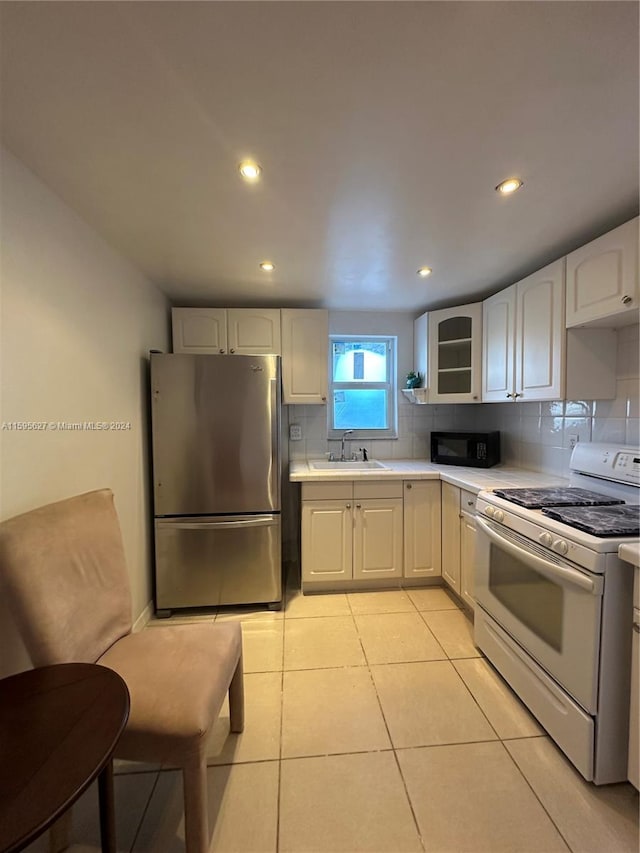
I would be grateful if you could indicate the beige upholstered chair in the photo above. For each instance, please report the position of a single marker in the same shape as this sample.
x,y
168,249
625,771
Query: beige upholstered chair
x,y
65,577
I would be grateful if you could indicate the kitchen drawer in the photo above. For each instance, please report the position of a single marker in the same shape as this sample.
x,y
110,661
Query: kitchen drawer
x,y
378,489
329,491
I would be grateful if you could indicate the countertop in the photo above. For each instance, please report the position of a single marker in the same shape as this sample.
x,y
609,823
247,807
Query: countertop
x,y
630,553
472,479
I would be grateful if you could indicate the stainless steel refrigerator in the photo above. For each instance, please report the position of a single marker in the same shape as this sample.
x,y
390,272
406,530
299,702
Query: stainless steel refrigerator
x,y
216,470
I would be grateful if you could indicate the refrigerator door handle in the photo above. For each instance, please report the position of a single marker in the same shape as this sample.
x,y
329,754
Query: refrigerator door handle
x,y
254,521
275,442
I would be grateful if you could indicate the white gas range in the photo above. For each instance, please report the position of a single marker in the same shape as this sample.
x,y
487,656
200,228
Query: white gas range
x,y
555,602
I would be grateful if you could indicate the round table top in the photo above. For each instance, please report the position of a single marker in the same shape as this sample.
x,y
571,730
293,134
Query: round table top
x,y
59,726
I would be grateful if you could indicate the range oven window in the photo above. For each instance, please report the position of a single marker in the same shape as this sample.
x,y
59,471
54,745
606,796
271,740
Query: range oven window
x,y
530,597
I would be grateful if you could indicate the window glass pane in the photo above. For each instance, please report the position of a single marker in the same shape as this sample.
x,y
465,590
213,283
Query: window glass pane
x,y
455,383
455,355
454,329
360,408
364,361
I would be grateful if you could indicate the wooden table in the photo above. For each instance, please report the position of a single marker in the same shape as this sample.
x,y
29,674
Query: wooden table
x,y
59,726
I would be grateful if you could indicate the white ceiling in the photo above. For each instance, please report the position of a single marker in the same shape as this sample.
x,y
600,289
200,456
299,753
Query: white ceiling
x,y
382,129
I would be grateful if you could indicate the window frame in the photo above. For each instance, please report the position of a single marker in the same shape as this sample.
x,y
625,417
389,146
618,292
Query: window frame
x,y
390,386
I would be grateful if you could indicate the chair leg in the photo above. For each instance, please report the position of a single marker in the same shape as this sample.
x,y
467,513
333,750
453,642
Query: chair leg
x,y
196,820
236,699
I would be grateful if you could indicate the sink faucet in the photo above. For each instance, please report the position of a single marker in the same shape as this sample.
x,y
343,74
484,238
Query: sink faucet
x,y
344,435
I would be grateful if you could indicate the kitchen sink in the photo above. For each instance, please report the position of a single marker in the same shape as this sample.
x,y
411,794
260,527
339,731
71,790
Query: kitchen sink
x,y
325,465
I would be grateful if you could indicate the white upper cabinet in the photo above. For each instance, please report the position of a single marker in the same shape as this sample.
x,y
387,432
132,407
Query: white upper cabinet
x,y
421,351
253,331
305,356
455,350
528,355
241,331
498,345
524,339
199,330
602,279
540,334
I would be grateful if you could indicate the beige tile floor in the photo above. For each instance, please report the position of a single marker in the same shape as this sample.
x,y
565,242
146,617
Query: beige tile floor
x,y
372,724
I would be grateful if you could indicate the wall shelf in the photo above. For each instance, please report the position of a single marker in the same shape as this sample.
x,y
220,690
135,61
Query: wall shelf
x,y
416,395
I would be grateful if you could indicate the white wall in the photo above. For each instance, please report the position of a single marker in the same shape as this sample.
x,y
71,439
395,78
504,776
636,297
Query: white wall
x,y
76,326
414,422
537,435
533,435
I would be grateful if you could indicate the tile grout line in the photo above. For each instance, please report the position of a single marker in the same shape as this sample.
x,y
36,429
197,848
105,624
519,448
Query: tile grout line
x,y
475,701
144,813
277,848
393,750
532,789
501,742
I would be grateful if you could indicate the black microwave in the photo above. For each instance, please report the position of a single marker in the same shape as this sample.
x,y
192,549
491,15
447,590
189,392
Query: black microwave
x,y
475,449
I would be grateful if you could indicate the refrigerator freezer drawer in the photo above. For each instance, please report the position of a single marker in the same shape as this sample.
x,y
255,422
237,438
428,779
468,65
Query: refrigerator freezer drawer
x,y
206,562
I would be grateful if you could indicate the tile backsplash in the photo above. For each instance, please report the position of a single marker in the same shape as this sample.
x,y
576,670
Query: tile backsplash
x,y
533,435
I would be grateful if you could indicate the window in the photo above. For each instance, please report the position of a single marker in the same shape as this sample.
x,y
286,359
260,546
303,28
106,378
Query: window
x,y
362,392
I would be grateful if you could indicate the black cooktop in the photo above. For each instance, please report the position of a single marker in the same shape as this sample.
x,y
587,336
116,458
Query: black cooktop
x,y
555,496
599,520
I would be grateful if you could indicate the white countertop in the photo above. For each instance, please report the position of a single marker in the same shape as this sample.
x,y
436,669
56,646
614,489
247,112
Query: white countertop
x,y
473,479
630,553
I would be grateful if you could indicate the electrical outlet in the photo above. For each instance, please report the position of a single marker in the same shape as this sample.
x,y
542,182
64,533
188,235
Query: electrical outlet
x,y
573,440
295,432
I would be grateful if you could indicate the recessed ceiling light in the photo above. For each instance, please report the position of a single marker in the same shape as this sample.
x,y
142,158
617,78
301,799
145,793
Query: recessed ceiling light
x,y
509,186
424,271
249,170
267,266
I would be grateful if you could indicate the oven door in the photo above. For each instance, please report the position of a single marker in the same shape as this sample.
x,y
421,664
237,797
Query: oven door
x,y
548,605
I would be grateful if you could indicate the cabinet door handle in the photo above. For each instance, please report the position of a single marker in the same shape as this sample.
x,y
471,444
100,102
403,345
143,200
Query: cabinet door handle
x,y
231,350
626,299
221,352
408,485
358,506
348,506
324,399
509,396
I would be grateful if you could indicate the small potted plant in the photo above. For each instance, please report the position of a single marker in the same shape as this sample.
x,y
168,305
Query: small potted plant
x,y
414,380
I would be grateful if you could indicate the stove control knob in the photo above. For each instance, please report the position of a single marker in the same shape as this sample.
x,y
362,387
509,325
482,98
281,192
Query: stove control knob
x,y
489,510
560,546
545,539
498,515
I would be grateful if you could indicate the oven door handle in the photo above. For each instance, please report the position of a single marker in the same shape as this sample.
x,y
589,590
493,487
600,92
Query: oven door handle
x,y
549,570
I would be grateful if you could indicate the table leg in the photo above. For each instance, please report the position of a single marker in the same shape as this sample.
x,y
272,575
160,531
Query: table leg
x,y
107,811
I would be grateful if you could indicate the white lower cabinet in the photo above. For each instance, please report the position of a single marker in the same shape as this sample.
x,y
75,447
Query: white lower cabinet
x,y
377,539
422,529
451,536
327,541
467,557
459,541
351,532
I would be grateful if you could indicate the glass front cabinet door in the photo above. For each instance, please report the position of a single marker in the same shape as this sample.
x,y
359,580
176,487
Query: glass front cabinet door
x,y
455,351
